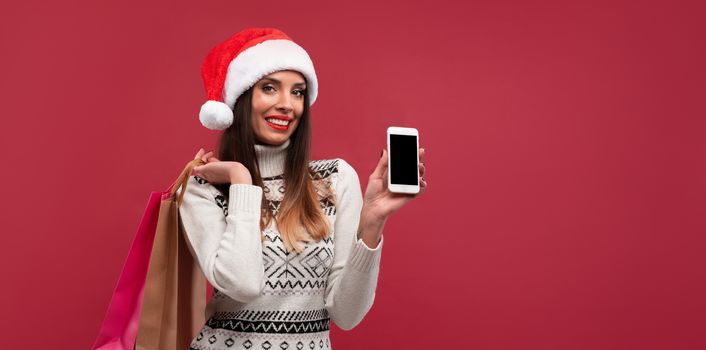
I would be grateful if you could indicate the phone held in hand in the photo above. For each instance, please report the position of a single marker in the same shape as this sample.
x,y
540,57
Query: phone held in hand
x,y
403,160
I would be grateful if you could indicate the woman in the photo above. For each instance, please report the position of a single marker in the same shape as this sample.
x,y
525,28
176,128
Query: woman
x,y
287,243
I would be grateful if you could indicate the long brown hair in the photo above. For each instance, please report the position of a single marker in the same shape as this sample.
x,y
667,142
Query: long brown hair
x,y
300,216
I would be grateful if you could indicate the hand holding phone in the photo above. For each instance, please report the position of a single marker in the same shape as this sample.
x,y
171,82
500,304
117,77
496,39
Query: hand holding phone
x,y
379,201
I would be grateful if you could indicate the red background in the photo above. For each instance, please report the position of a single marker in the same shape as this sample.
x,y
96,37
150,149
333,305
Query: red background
x,y
566,157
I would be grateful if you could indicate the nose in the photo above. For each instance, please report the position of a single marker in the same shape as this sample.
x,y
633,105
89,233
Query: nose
x,y
284,104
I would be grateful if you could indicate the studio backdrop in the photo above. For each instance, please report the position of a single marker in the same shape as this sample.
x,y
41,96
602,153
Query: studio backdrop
x,y
565,149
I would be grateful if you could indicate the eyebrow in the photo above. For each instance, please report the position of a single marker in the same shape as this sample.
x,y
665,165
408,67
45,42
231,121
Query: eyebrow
x,y
279,82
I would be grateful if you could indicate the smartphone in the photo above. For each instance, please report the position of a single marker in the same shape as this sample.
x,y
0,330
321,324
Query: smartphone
x,y
403,160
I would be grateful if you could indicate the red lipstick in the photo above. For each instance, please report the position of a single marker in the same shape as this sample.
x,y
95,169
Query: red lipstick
x,y
277,126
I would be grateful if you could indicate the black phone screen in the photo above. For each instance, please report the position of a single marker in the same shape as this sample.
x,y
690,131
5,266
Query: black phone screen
x,y
403,160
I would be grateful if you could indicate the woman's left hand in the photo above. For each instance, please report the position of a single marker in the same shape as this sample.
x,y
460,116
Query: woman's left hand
x,y
378,202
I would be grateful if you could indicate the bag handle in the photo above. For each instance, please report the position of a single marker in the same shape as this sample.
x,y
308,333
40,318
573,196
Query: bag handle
x,y
183,179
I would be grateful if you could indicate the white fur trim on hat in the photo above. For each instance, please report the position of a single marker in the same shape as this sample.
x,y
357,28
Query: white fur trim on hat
x,y
216,115
262,59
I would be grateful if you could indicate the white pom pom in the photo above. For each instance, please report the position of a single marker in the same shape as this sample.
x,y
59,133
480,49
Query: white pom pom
x,y
216,115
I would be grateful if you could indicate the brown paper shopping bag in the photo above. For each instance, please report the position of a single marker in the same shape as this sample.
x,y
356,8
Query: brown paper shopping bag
x,y
174,299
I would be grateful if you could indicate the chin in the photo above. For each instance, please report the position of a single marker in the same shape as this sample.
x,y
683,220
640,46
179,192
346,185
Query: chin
x,y
276,142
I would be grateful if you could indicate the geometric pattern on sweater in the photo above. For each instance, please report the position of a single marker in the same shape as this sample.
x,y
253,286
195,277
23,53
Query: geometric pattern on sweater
x,y
238,340
323,183
320,174
292,273
219,198
281,327
327,205
258,330
274,188
276,315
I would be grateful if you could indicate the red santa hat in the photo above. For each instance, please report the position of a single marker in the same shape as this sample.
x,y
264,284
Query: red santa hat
x,y
236,64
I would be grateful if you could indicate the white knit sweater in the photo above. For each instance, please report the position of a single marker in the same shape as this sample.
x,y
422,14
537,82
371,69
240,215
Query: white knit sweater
x,y
264,297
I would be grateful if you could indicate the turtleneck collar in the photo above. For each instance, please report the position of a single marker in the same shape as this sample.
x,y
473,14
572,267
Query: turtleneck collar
x,y
271,158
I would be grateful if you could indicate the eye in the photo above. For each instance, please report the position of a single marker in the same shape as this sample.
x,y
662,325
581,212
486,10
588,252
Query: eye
x,y
266,87
299,93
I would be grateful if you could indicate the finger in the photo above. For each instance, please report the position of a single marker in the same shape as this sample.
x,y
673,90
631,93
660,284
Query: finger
x,y
381,167
206,156
384,179
422,169
422,151
213,159
199,153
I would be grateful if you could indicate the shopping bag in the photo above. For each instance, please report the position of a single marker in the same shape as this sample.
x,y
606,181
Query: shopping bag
x,y
183,304
174,298
121,320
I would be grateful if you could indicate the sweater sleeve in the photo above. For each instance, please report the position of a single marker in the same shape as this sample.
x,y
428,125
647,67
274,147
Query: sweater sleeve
x,y
350,289
228,248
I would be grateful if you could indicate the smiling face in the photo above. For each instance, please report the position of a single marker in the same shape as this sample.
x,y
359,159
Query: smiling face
x,y
277,106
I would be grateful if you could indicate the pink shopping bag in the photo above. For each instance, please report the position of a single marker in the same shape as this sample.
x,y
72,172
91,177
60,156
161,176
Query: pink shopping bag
x,y
119,329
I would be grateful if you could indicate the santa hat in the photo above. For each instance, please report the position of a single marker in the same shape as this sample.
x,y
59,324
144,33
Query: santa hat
x,y
236,64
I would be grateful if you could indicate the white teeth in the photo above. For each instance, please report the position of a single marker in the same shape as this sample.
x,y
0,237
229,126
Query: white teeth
x,y
277,121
